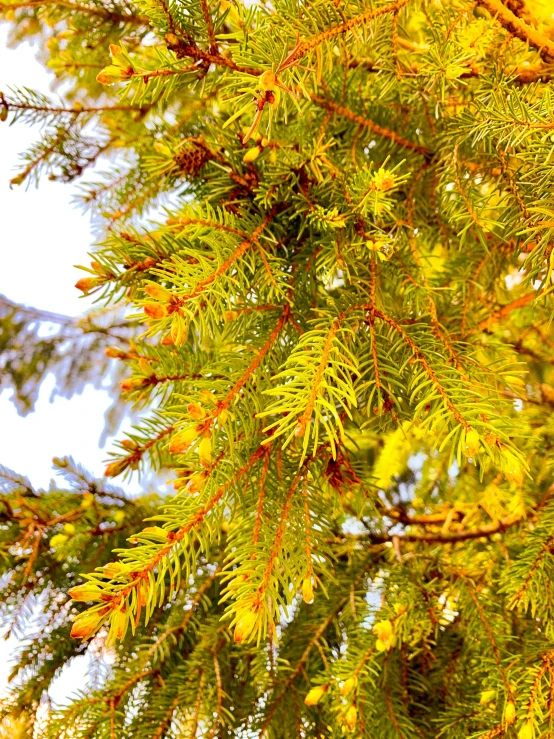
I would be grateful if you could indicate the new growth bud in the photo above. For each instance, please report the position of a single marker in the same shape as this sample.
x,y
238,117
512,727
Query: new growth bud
x,y
85,592
315,695
182,440
87,623
245,625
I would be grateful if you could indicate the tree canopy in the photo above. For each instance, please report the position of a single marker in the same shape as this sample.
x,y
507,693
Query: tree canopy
x,y
322,280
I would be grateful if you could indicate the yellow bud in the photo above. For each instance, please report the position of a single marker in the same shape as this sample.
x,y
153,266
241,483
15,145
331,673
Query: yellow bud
x,y
86,284
155,310
527,731
156,532
223,417
351,717
178,329
268,80
307,590
252,154
69,528
119,517
58,540
196,411
85,592
88,500
195,483
348,685
205,451
510,713
115,353
77,106
383,630
471,443
512,469
116,468
245,625
157,292
182,440
315,695
164,149
85,624
487,696
119,622
131,383
112,74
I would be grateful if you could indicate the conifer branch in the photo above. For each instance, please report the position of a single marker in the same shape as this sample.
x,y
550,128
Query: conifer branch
x,y
520,29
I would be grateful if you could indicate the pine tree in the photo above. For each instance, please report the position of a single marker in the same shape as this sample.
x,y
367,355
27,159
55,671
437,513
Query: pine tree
x,y
324,272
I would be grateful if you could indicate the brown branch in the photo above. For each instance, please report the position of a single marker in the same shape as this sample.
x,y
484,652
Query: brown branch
x,y
519,28
386,133
79,8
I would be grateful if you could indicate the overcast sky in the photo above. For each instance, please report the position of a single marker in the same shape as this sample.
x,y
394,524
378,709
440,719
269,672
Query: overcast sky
x,y
42,235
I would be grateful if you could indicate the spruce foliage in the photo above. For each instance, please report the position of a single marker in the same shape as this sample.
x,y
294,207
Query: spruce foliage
x,y
324,264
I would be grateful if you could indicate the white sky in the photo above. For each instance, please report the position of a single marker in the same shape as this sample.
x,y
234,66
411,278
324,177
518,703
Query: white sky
x,y
42,235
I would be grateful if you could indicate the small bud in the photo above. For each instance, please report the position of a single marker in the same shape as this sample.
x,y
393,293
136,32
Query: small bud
x,y
85,592
164,149
131,383
69,529
472,443
3,114
85,624
156,311
112,74
183,439
58,540
348,685
154,532
527,731
116,468
268,80
88,500
205,451
315,695
351,718
512,469
167,340
171,39
196,411
487,696
119,622
307,590
510,713
178,329
157,292
195,483
245,625
385,638
119,517
115,353
86,284
18,179
223,417
252,154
